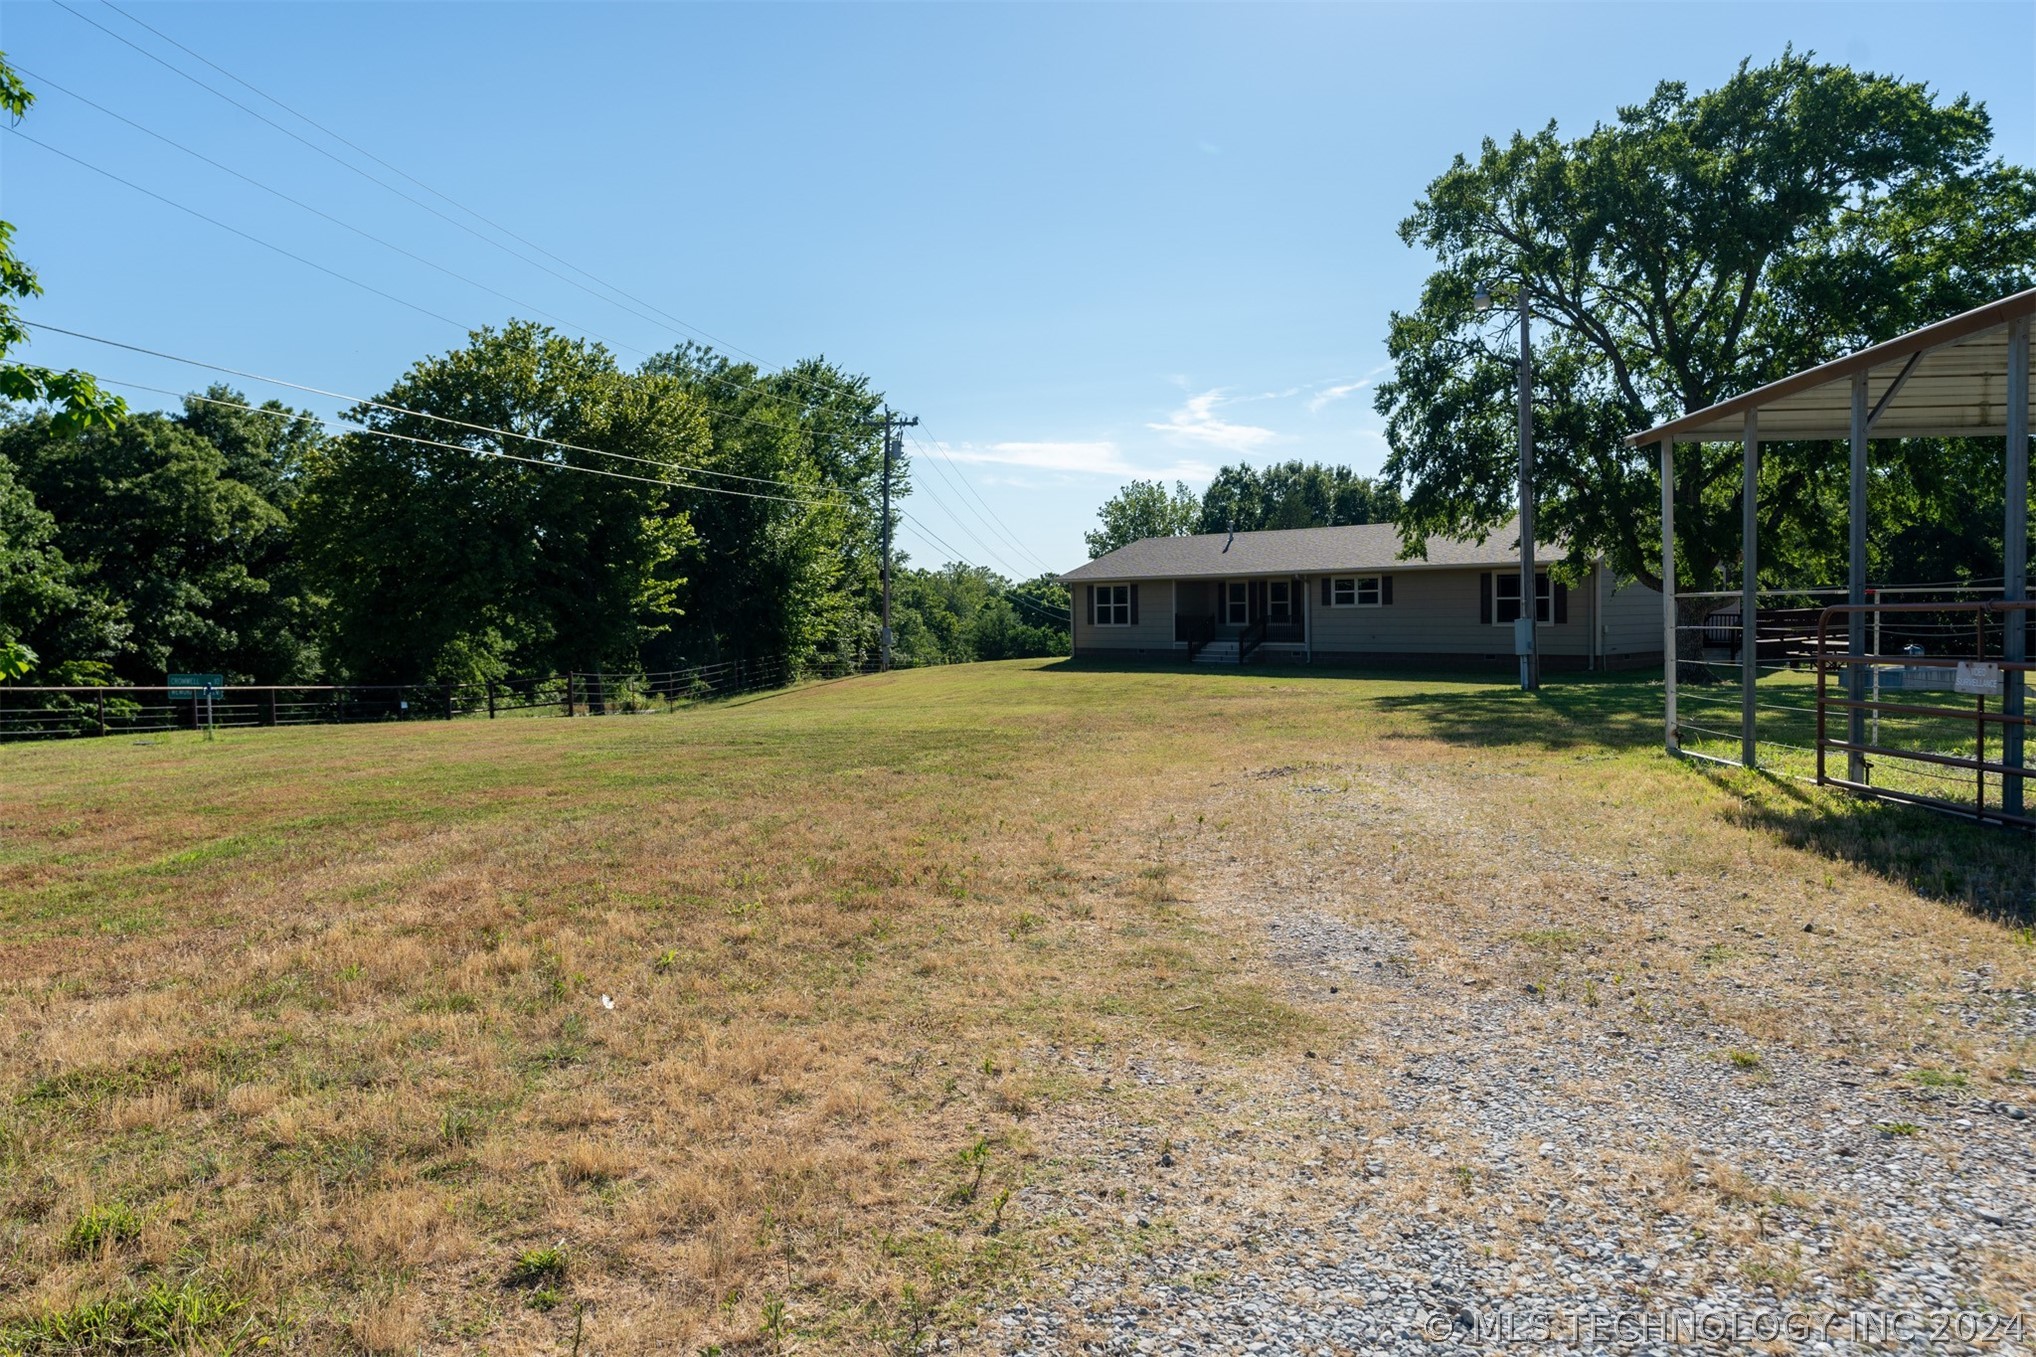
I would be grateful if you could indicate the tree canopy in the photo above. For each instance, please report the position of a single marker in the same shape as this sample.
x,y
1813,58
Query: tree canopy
x,y
1244,498
1144,509
1697,246
485,557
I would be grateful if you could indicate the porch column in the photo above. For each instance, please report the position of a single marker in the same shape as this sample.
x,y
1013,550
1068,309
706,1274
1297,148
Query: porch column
x,y
1855,584
2015,560
1668,637
1749,584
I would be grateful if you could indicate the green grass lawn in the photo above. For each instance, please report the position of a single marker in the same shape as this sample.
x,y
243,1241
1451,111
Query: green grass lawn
x,y
726,1023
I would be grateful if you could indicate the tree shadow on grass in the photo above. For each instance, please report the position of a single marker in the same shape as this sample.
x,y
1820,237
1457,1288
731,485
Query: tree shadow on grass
x,y
1603,711
1987,870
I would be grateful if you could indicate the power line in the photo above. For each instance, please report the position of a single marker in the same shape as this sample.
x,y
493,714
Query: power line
x,y
317,212
957,556
267,245
726,383
371,431
670,321
992,522
419,414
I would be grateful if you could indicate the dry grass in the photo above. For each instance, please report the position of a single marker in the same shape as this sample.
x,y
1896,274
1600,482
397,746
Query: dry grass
x,y
324,1008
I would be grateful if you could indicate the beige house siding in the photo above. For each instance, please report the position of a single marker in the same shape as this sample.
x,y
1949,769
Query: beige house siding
x,y
1154,631
1632,633
1434,612
1437,612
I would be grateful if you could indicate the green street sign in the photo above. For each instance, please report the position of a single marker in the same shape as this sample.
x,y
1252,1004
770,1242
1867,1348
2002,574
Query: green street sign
x,y
191,687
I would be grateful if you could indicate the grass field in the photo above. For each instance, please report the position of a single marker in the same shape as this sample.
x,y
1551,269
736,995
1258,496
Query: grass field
x,y
306,1035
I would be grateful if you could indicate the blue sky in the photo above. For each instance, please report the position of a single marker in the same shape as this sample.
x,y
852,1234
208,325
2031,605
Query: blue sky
x,y
1082,243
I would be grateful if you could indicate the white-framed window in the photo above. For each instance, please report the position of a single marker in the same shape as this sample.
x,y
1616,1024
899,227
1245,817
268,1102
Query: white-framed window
x,y
1354,591
1506,599
1279,601
1237,603
1113,605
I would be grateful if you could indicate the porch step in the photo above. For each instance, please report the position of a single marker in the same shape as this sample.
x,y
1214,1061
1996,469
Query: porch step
x,y
1217,652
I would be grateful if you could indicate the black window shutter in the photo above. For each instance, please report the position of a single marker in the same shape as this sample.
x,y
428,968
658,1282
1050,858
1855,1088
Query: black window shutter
x,y
1561,601
1485,598
1134,605
1092,604
1325,591
1385,589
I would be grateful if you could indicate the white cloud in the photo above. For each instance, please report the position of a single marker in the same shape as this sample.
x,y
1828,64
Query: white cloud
x,y
1098,458
1329,395
1331,392
1198,422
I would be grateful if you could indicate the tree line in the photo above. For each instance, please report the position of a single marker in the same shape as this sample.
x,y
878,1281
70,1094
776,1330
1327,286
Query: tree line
x,y
1244,498
521,505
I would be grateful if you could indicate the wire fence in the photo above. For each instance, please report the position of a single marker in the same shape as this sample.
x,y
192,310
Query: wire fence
x,y
42,713
1912,713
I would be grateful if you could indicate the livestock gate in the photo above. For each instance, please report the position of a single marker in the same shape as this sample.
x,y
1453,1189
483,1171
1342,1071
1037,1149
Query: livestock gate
x,y
1906,692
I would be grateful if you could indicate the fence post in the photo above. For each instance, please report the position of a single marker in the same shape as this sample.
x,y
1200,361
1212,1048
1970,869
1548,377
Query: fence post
x,y
102,713
448,701
491,699
569,694
270,714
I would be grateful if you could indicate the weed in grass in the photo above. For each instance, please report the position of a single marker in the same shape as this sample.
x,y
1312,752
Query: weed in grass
x,y
540,1267
101,1227
461,1126
1897,1128
1933,1078
776,1321
544,1298
975,1158
666,959
1550,939
166,1317
1743,1059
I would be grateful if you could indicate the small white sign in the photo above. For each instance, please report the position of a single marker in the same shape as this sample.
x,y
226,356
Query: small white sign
x,y
1975,676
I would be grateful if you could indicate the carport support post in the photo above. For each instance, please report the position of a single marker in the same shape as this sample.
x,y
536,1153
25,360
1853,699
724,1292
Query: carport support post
x,y
1749,553
1668,619
2015,561
1855,586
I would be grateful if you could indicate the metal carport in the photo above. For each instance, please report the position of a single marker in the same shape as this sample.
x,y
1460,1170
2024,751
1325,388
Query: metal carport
x,y
1966,377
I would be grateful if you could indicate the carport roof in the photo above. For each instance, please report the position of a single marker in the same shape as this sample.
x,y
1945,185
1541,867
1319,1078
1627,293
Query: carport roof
x,y
1369,547
1943,381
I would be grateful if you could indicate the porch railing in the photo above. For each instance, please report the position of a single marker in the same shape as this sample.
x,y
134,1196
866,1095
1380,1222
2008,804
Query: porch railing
x,y
1252,639
1196,631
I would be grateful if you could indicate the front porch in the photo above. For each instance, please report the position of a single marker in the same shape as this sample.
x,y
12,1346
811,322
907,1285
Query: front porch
x,y
1235,621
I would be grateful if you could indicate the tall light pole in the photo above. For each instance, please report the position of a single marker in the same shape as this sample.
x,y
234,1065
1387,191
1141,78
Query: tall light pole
x,y
1525,642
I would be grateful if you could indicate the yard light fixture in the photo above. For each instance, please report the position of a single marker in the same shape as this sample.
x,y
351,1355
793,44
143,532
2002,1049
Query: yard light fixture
x,y
1525,644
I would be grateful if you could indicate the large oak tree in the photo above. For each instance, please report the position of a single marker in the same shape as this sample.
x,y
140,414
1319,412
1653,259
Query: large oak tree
x,y
1694,247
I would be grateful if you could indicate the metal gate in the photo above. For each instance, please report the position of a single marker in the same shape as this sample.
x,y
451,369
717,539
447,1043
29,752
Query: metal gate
x,y
1932,712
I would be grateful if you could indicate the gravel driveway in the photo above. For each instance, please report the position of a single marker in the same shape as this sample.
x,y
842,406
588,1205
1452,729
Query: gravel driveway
x,y
1568,1095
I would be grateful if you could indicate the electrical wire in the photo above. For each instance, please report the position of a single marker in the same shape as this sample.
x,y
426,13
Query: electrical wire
x,y
420,414
365,234
371,431
267,245
669,321
992,522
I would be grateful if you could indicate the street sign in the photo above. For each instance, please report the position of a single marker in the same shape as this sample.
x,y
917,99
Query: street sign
x,y
191,687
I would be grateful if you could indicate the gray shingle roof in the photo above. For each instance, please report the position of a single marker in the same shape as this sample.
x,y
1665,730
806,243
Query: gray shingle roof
x,y
1299,551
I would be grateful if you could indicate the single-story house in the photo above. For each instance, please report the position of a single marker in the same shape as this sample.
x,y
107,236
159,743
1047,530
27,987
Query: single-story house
x,y
1345,595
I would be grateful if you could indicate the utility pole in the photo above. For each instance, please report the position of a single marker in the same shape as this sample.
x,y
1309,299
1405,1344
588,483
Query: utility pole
x,y
890,423
1530,594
